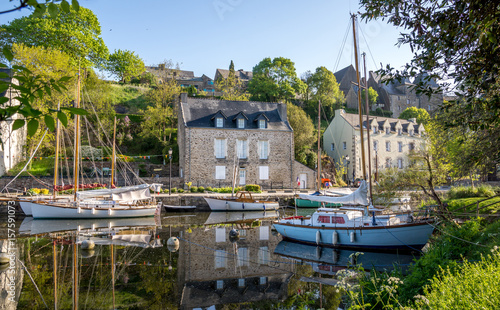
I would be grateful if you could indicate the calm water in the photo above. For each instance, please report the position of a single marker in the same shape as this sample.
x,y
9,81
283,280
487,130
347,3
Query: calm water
x,y
132,267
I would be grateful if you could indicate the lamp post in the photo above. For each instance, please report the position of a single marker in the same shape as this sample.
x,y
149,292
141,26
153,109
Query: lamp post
x,y
347,167
170,174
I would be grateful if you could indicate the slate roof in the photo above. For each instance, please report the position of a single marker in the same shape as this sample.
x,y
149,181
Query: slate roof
x,y
339,75
242,75
353,120
198,112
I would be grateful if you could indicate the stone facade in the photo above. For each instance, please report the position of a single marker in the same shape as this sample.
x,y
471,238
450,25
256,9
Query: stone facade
x,y
209,154
391,141
395,96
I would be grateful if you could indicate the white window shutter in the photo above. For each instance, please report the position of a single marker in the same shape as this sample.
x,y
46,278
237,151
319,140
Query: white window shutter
x,y
263,172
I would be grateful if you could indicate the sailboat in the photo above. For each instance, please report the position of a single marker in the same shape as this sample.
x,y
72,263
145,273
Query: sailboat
x,y
354,227
129,201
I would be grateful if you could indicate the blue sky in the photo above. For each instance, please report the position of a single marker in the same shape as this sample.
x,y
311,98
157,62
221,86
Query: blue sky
x,y
203,35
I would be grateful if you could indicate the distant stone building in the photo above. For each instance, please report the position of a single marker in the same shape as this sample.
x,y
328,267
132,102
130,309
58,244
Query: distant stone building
x,y
243,76
391,140
184,78
395,96
217,138
11,151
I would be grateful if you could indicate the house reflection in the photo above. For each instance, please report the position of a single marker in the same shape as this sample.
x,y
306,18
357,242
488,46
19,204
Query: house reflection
x,y
214,268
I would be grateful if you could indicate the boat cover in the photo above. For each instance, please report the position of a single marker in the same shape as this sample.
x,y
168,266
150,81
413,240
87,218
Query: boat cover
x,y
126,193
358,197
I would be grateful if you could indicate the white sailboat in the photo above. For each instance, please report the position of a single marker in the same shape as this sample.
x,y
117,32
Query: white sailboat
x,y
130,201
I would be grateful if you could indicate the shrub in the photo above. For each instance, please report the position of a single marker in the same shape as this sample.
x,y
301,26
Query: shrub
x,y
209,189
44,191
174,189
35,191
165,191
201,189
193,189
252,188
180,190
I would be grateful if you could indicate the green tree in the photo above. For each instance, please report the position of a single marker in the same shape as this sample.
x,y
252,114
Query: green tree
x,y
372,96
231,87
421,115
455,41
322,86
40,8
125,64
275,80
75,32
304,134
159,119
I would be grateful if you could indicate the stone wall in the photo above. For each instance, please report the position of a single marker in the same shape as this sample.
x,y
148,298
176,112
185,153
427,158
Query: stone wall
x,y
199,157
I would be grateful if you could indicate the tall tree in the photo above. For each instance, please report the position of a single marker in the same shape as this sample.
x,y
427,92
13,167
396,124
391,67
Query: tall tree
x,y
322,86
75,32
451,40
372,95
304,134
275,80
421,115
159,119
125,64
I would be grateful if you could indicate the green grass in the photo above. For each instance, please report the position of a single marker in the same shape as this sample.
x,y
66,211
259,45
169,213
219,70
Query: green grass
x,y
459,204
39,167
132,97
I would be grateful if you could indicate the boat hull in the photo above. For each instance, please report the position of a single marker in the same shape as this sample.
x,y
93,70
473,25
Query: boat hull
x,y
304,203
26,207
216,204
399,237
55,211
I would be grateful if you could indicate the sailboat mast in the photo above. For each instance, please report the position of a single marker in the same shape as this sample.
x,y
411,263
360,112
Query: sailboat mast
x,y
56,155
359,96
77,137
113,158
368,129
319,146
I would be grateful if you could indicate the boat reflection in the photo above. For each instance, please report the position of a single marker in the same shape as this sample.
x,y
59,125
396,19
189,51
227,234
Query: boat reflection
x,y
327,260
32,226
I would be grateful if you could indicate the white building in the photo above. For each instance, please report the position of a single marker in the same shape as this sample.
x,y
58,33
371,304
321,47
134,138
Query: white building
x,y
391,141
11,150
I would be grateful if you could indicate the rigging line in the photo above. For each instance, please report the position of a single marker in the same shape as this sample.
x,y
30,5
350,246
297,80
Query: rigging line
x,y
28,162
87,125
33,280
342,46
368,46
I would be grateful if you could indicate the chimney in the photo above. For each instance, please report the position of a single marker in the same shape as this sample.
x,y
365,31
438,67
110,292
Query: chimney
x,y
184,97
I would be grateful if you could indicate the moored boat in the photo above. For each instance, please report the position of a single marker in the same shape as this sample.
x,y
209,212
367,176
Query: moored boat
x,y
353,229
130,201
243,201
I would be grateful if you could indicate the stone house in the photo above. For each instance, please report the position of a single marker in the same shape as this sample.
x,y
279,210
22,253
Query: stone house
x,y
391,140
395,96
243,76
184,78
250,142
11,151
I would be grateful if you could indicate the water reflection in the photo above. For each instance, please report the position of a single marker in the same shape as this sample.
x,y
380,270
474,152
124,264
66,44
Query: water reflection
x,y
222,259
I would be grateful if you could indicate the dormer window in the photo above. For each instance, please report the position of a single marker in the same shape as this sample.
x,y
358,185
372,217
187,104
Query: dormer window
x,y
387,130
374,129
218,119
240,122
262,121
399,131
411,132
